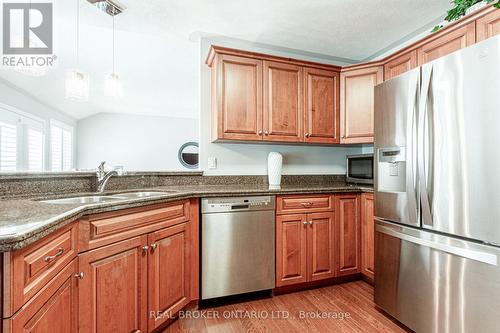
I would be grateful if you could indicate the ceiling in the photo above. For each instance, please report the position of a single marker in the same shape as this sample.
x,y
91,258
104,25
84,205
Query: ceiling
x,y
158,59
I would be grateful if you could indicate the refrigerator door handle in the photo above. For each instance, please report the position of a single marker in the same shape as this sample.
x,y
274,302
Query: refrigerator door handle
x,y
480,256
412,151
425,143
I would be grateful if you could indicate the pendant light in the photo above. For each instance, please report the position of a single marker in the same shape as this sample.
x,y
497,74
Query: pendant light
x,y
112,83
77,86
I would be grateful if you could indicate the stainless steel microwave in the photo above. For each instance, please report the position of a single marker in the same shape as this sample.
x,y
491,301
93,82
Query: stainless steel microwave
x,y
360,169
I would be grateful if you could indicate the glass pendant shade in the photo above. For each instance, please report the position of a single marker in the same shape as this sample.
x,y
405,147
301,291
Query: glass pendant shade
x,y
77,86
113,86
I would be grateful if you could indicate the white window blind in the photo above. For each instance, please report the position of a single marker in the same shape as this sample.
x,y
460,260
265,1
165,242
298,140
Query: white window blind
x,y
34,139
8,147
61,147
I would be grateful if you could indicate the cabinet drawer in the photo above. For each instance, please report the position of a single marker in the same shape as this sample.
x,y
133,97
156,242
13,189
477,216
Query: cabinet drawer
x,y
30,269
102,229
304,203
53,309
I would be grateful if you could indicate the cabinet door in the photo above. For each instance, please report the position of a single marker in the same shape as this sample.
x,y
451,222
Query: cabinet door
x,y
283,107
357,103
400,65
321,106
168,273
113,291
239,102
291,233
367,236
54,309
488,25
447,43
321,246
349,234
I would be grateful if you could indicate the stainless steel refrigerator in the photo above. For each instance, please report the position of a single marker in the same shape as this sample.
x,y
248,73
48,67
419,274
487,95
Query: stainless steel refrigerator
x,y
437,193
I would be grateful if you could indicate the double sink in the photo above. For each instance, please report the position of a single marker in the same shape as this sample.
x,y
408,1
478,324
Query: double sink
x,y
95,199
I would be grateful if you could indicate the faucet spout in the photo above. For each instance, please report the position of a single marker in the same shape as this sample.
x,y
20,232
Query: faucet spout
x,y
102,181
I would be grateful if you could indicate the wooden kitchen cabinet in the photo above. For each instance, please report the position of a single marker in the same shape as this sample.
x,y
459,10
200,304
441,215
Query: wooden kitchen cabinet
x,y
53,309
401,64
305,239
258,97
447,43
367,236
237,98
322,118
488,25
283,106
291,249
169,263
113,288
321,246
357,103
347,207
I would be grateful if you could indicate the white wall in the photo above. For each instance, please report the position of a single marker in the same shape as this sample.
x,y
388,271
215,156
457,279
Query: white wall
x,y
12,96
251,159
139,143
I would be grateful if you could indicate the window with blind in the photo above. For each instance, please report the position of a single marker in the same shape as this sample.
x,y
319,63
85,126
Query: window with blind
x,y
61,146
22,140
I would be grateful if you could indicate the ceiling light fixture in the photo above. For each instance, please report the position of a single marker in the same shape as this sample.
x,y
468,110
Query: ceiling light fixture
x,y
112,84
77,85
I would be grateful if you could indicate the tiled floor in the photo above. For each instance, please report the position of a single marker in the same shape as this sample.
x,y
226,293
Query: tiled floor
x,y
346,307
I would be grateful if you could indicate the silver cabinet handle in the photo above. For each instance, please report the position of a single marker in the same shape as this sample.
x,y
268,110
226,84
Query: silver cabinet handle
x,y
59,252
266,133
310,222
145,248
305,222
307,135
260,132
153,246
306,204
80,275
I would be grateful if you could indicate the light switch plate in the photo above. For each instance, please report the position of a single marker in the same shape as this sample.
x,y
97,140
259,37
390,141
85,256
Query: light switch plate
x,y
212,162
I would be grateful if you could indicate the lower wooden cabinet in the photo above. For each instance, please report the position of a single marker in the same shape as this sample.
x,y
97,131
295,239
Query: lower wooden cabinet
x,y
54,309
113,288
367,236
168,273
305,246
348,216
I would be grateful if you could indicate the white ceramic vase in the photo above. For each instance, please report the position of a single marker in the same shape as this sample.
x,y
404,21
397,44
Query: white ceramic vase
x,y
274,167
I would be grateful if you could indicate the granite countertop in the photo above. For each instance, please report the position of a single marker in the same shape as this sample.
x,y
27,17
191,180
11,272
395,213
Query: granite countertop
x,y
24,221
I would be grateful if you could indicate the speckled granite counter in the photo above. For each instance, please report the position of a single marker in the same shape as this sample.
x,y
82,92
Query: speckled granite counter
x,y
24,221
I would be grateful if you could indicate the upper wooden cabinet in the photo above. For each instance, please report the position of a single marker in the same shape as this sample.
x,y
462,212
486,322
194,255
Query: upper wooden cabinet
x,y
401,64
322,106
357,103
488,25
447,43
238,90
283,106
256,97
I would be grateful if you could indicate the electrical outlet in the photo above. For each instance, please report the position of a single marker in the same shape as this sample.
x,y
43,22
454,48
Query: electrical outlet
x,y
212,162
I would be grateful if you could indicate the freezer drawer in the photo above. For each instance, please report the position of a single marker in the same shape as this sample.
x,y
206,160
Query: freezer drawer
x,y
433,283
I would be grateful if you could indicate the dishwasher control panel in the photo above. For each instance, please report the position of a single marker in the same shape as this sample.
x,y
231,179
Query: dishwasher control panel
x,y
231,204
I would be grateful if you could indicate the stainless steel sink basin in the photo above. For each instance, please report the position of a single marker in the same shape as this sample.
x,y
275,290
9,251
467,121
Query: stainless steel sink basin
x,y
132,195
86,200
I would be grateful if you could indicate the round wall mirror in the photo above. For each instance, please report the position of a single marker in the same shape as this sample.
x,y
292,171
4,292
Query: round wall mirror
x,y
188,155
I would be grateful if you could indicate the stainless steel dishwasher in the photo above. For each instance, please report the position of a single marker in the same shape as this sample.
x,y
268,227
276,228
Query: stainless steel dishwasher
x,y
237,245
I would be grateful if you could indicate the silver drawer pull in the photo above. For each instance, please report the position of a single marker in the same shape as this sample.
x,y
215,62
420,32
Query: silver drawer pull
x,y
80,275
59,252
306,204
